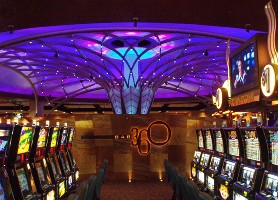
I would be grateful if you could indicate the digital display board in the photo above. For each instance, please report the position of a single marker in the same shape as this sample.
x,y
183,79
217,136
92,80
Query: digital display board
x,y
233,143
209,144
54,137
23,182
25,140
252,145
42,138
273,140
219,142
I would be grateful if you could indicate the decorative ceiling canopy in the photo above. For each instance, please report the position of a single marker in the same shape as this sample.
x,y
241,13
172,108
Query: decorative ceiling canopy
x,y
130,66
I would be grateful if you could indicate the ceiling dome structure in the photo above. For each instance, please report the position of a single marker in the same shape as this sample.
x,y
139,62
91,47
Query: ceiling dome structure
x,y
130,66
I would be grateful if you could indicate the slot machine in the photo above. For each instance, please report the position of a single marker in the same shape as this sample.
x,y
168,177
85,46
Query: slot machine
x,y
197,153
269,186
230,168
205,158
39,166
216,161
251,170
19,170
53,165
5,137
62,158
71,159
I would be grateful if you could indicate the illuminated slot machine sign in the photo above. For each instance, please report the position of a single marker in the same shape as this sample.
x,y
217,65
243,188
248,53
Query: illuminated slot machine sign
x,y
247,177
62,188
209,141
196,160
233,144
220,143
204,159
214,163
197,156
252,146
54,137
42,138
201,144
272,135
25,140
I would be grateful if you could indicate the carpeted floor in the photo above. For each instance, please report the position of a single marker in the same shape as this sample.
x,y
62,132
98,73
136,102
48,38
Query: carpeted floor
x,y
140,190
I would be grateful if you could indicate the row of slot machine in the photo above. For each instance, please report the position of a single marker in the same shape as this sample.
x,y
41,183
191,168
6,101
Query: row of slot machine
x,y
237,163
36,162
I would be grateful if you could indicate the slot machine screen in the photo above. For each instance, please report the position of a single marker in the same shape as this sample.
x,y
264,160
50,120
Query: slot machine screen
x,y
210,183
273,139
62,188
201,176
42,138
271,185
64,137
239,197
54,137
71,135
228,169
252,145
50,195
197,156
25,140
41,173
233,143
214,163
2,191
200,139
4,141
70,181
247,176
76,175
219,142
205,159
209,140
23,182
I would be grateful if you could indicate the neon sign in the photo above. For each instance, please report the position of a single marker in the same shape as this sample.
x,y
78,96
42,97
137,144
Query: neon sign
x,y
143,138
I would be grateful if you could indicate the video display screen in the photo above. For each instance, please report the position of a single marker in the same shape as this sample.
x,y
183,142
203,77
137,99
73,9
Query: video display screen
x,y
201,176
273,139
50,195
2,191
197,156
271,185
42,137
228,169
41,173
25,140
247,176
214,163
3,145
23,182
62,188
205,159
4,133
252,145
209,140
243,70
219,142
210,183
237,196
200,139
71,135
233,143
64,137
54,137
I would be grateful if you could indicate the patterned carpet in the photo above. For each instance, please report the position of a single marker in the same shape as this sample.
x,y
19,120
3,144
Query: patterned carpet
x,y
140,190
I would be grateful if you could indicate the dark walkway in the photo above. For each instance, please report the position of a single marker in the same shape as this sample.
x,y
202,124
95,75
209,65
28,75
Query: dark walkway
x,y
138,190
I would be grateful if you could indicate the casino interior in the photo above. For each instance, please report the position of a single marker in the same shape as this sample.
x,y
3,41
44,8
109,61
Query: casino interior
x,y
138,100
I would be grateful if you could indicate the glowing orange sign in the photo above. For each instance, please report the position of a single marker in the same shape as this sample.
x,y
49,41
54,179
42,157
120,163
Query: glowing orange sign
x,y
143,138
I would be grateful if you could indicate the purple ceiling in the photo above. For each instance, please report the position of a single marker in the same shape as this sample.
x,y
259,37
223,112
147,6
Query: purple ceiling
x,y
85,61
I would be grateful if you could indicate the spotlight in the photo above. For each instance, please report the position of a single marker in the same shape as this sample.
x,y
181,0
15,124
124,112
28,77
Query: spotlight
x,y
11,29
247,27
206,53
135,21
56,55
